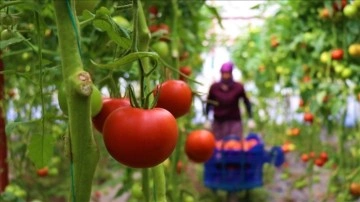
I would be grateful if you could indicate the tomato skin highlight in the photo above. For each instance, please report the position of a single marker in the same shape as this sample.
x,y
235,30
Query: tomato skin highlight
x,y
174,96
200,145
109,105
140,138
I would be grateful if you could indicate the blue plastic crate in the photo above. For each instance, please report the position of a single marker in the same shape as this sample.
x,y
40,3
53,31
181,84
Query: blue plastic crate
x,y
238,170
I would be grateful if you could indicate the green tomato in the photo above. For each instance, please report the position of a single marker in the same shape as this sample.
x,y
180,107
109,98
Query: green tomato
x,y
350,10
189,198
96,100
53,171
162,48
356,3
136,191
6,34
81,5
339,68
121,21
346,72
325,57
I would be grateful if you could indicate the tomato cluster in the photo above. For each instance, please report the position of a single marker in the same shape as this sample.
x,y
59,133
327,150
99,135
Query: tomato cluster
x,y
319,160
125,128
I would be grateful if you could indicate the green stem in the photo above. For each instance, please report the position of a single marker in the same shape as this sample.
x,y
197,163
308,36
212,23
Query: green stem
x,y
174,35
84,151
175,194
146,184
141,39
159,183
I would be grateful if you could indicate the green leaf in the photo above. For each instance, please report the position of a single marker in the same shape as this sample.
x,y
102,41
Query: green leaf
x,y
104,22
12,125
320,96
4,44
40,149
127,59
215,12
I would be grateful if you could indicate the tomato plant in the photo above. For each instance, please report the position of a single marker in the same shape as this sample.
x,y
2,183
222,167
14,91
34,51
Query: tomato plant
x,y
108,105
174,96
200,145
140,138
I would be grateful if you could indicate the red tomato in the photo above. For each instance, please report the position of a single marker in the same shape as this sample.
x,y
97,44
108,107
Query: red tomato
x,y
319,162
42,172
339,5
312,155
179,167
185,70
164,27
337,54
355,189
233,145
305,157
109,105
301,103
153,10
174,96
140,138
153,28
308,117
200,145
324,156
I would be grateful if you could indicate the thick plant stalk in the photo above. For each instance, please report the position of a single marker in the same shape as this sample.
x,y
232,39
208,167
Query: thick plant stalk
x,y
4,167
159,183
84,151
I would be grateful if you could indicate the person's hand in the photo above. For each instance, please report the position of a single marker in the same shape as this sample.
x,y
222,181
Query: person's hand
x,y
251,124
207,125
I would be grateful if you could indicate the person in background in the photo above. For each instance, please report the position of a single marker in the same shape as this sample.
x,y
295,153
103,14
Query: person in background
x,y
223,100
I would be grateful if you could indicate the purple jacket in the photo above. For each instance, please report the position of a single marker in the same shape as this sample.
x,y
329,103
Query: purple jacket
x,y
225,103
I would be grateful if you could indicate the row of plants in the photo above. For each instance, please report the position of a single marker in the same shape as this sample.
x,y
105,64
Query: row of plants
x,y
306,55
79,76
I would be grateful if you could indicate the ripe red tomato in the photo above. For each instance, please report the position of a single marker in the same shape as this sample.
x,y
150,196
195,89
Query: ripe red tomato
x,y
319,162
312,155
308,117
200,145
42,172
108,106
185,70
174,96
337,54
305,157
164,27
140,138
153,10
355,189
324,156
